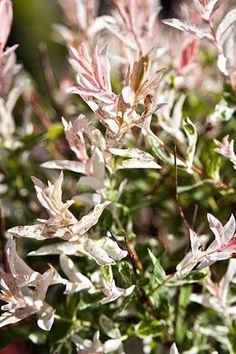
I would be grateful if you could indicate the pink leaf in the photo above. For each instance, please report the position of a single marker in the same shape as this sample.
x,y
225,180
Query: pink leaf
x,y
6,16
188,54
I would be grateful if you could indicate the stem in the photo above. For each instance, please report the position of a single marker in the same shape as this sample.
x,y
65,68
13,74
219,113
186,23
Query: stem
x,y
213,32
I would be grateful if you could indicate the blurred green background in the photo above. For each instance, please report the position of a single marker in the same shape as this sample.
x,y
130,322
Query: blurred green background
x,y
32,25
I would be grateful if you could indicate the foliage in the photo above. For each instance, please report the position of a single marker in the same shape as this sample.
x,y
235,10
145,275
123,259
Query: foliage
x,y
135,233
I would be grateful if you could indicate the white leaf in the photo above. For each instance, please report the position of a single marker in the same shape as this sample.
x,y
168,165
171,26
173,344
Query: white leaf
x,y
68,248
212,6
86,247
92,249
96,165
46,319
174,349
111,345
112,249
222,64
186,265
131,153
195,244
19,269
191,132
7,318
74,166
225,24
89,220
77,279
229,228
186,27
92,182
217,228
129,291
44,281
227,278
89,198
138,163
37,231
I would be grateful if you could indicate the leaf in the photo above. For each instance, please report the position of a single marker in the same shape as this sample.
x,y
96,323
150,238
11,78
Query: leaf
x,y
109,327
138,163
93,250
158,272
55,131
195,243
207,11
191,278
131,153
147,328
111,345
19,269
78,281
112,248
188,55
217,229
225,24
46,319
223,111
37,231
152,256
107,273
74,166
186,27
135,158
191,132
89,220
6,15
187,188
68,248
214,5
174,349
158,150
229,228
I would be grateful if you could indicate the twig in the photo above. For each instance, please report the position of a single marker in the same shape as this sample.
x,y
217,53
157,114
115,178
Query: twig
x,y
168,278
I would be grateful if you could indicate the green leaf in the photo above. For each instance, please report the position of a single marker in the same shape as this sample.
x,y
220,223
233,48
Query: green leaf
x,y
147,328
55,131
211,159
107,273
158,272
191,132
187,188
162,302
191,278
